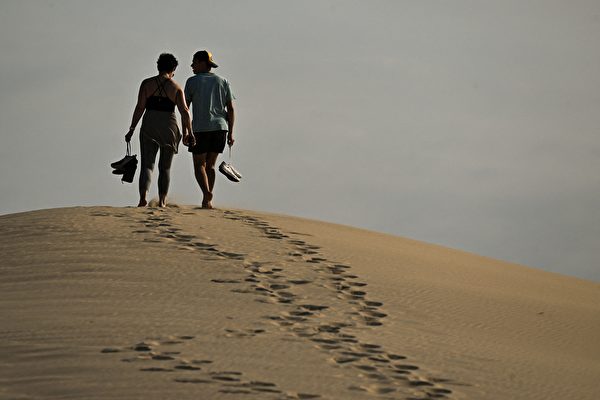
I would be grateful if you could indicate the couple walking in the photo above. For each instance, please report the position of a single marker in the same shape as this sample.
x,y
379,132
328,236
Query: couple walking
x,y
212,127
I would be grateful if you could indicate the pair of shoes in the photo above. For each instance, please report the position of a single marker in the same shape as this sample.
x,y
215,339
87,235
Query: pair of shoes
x,y
231,173
125,167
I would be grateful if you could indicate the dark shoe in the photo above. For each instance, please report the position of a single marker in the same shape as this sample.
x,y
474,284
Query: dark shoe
x,y
122,162
129,173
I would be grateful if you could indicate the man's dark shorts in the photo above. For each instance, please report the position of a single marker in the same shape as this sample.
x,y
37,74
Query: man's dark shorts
x,y
209,142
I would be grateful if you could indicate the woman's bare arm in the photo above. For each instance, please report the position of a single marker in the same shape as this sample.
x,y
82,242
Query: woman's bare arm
x,y
186,121
138,111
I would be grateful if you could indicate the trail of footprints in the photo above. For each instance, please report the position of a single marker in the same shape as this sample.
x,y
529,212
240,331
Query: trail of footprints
x,y
162,355
290,288
383,371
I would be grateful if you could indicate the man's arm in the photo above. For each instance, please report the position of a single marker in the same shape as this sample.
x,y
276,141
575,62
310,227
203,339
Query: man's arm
x,y
230,122
186,123
188,94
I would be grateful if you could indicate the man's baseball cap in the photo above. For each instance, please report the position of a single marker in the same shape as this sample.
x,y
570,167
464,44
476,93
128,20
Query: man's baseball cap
x,y
204,55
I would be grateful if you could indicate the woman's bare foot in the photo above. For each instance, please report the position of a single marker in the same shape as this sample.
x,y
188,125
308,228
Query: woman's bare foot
x,y
142,203
207,201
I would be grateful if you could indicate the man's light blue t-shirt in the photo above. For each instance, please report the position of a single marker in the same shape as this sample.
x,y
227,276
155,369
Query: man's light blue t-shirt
x,y
208,94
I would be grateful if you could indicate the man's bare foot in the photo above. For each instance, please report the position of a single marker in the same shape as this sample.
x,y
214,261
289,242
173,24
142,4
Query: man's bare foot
x,y
207,205
162,202
142,203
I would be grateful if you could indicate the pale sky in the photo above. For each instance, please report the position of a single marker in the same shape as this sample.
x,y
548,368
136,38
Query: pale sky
x,y
470,124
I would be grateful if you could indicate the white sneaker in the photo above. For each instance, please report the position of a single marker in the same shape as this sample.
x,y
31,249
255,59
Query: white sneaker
x,y
225,169
235,172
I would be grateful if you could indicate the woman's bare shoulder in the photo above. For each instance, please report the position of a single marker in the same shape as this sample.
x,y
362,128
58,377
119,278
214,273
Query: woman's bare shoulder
x,y
147,81
174,85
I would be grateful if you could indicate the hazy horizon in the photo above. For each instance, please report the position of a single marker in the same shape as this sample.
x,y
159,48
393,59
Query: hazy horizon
x,y
467,124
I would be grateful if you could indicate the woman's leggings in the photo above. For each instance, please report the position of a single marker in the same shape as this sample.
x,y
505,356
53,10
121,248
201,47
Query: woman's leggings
x,y
149,148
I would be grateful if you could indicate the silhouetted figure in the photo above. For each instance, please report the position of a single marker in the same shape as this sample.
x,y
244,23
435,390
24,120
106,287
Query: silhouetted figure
x,y
212,106
157,98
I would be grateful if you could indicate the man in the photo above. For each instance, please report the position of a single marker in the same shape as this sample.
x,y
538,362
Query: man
x,y
211,100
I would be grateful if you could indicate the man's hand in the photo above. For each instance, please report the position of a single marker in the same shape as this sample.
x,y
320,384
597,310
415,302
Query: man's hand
x,y
230,140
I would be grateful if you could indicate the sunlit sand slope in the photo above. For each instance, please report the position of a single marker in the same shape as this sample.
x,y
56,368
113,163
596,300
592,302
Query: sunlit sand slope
x,y
184,303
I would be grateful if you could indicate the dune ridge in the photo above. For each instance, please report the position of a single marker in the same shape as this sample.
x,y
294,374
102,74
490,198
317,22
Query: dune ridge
x,y
103,302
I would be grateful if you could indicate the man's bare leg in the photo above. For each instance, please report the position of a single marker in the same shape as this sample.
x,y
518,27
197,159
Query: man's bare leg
x,y
211,161
201,175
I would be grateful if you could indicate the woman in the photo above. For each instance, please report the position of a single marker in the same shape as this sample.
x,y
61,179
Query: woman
x,y
157,98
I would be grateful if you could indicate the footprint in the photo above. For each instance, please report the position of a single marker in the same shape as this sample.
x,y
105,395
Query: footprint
x,y
200,362
111,350
345,360
366,367
233,256
261,384
419,383
302,396
370,346
299,282
187,367
441,391
301,313
143,346
329,328
312,307
162,357
342,266
156,369
379,359
191,380
406,367
396,357
235,391
279,286
266,390
225,281
225,378
245,333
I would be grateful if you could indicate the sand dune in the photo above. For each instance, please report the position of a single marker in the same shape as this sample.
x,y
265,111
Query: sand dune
x,y
183,303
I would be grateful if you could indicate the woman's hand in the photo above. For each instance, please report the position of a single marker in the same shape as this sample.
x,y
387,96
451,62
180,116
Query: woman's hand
x,y
189,140
230,140
129,134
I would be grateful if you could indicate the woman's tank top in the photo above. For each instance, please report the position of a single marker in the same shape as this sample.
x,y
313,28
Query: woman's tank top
x,y
160,102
